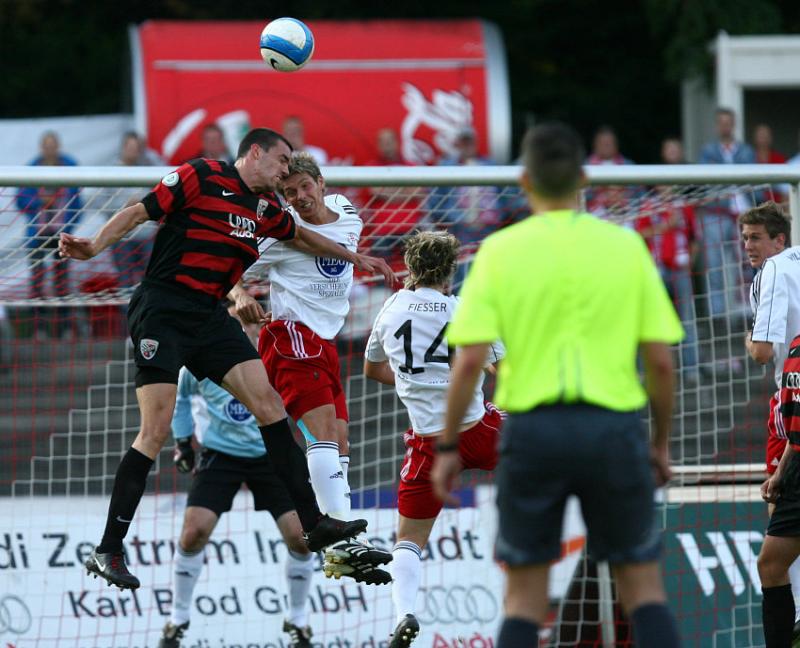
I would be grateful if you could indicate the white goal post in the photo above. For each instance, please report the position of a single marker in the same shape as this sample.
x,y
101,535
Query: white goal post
x,y
67,411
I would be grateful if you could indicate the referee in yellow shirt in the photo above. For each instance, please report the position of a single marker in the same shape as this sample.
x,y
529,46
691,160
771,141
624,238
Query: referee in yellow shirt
x,y
574,299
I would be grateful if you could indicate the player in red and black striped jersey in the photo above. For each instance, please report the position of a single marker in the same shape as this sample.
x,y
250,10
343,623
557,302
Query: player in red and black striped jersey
x,y
781,547
212,215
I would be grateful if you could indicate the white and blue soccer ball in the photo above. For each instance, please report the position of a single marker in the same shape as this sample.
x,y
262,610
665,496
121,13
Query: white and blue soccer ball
x,y
287,44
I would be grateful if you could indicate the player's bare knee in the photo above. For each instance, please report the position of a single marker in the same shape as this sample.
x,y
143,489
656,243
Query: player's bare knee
x,y
193,538
297,544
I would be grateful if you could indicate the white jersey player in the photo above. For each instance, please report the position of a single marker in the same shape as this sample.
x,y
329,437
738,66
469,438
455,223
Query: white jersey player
x,y
408,349
775,300
309,298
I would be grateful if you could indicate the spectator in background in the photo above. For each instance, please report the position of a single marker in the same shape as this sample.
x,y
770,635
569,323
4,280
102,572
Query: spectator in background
x,y
132,252
469,213
762,143
605,201
717,225
667,225
295,131
214,146
389,213
765,154
49,210
672,151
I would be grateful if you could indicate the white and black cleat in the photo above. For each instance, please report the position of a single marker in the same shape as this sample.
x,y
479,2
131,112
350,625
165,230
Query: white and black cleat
x,y
300,637
357,560
172,634
111,567
405,632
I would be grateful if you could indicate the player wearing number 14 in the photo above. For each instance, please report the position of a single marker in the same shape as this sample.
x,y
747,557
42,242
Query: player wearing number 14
x,y
408,349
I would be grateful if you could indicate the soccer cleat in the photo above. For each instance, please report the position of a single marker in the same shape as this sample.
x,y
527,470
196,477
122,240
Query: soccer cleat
x,y
330,530
111,567
405,632
359,561
172,634
796,635
301,637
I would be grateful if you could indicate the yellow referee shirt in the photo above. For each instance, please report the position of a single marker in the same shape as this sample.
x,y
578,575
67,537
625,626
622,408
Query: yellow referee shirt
x,y
571,297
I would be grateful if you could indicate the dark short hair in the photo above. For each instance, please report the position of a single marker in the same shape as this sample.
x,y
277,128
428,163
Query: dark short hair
x,y
266,138
772,217
723,110
213,126
553,155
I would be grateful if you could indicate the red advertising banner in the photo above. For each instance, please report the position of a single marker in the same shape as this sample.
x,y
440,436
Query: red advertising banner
x,y
425,79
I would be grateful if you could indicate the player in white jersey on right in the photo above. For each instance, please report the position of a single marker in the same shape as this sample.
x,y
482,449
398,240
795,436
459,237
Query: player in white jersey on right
x,y
309,298
775,300
408,349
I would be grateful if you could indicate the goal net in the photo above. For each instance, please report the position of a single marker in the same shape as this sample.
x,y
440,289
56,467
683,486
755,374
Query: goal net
x,y
69,412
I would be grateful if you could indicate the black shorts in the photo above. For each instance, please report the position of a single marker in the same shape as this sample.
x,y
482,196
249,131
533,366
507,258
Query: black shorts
x,y
785,520
170,328
219,477
599,455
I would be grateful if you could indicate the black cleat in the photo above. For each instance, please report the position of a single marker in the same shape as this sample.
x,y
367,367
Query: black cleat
x,y
359,561
301,637
330,530
796,635
405,632
111,567
172,634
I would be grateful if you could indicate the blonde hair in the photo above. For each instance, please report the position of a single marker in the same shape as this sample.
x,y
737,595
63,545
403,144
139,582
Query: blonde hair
x,y
431,258
303,162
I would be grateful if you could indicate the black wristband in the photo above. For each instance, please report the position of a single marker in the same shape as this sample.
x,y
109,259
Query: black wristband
x,y
447,447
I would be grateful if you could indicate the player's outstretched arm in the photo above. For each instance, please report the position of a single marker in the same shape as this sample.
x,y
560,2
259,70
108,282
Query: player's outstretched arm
x,y
119,225
380,371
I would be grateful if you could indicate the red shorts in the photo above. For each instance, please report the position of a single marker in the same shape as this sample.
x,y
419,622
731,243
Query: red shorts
x,y
302,367
776,439
477,448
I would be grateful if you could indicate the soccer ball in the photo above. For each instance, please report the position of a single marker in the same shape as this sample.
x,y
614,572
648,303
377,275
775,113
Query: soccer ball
x,y
286,44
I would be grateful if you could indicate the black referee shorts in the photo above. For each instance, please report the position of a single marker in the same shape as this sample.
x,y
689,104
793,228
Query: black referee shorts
x,y
219,477
170,328
785,519
599,455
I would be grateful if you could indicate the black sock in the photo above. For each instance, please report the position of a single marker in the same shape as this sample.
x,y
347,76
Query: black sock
x,y
290,464
278,438
518,633
654,627
777,613
129,484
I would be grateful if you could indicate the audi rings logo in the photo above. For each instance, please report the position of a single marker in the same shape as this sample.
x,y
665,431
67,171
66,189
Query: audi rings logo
x,y
457,604
791,380
15,617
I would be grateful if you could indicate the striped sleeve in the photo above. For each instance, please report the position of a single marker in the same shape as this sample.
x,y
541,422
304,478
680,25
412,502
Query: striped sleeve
x,y
175,191
276,222
773,305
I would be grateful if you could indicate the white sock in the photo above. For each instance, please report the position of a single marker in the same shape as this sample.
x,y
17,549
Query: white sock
x,y
186,570
299,572
794,579
406,575
327,477
344,462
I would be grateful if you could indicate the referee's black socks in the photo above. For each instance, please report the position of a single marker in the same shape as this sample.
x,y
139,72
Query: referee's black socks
x,y
777,613
654,626
518,633
129,484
